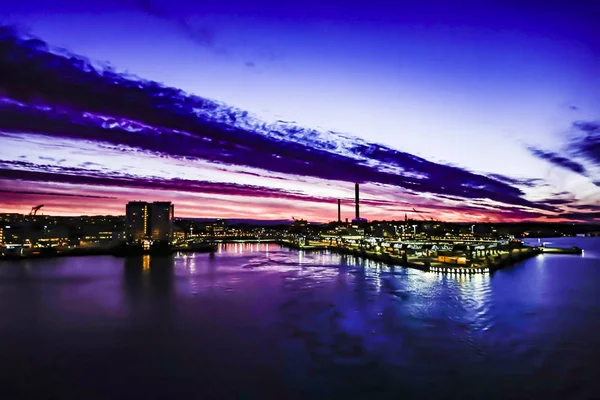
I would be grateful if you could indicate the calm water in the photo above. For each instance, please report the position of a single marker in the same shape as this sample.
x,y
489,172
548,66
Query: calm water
x,y
262,322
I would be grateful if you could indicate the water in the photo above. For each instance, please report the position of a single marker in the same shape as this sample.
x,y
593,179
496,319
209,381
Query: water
x,y
262,322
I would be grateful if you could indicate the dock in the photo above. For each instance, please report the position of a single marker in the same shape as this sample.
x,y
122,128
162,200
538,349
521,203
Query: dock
x,y
488,263
304,247
558,250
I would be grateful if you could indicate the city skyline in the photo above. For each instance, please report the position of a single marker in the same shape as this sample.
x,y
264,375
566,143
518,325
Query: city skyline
x,y
268,112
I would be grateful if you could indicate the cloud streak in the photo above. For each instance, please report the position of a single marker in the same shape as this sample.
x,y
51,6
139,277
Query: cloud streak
x,y
43,193
65,96
587,143
199,33
558,160
578,216
79,176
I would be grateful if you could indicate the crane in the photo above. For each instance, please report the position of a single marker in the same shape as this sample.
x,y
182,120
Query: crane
x,y
35,209
420,215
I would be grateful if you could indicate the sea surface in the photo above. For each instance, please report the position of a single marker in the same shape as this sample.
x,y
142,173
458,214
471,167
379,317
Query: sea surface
x,y
257,321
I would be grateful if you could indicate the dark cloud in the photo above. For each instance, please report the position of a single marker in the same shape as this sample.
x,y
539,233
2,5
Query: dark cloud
x,y
532,182
89,164
558,160
557,202
65,96
579,216
42,193
194,30
291,158
591,207
250,64
588,126
587,141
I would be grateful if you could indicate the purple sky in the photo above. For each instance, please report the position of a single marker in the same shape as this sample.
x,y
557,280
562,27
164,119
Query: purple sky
x,y
465,110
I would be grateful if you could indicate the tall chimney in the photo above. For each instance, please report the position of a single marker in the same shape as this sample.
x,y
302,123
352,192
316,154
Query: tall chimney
x,y
356,200
339,210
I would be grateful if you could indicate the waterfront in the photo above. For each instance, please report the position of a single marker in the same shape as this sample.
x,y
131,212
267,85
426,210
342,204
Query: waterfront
x,y
259,321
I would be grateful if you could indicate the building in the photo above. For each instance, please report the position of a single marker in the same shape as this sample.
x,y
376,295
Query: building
x,y
98,230
97,236
19,234
136,220
299,226
1,237
384,230
218,227
50,236
161,219
177,234
149,220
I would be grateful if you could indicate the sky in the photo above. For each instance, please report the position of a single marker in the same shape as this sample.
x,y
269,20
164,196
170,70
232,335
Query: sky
x,y
463,110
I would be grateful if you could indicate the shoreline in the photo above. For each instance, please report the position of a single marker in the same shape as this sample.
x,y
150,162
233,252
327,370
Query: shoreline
x,y
116,251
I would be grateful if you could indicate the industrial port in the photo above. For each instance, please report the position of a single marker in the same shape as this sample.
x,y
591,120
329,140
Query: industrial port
x,y
151,228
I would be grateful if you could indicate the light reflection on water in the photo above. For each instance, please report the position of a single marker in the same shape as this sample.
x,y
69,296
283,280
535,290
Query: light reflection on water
x,y
278,323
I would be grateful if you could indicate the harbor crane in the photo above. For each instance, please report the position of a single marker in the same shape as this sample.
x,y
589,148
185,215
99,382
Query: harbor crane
x,y
420,215
424,219
35,209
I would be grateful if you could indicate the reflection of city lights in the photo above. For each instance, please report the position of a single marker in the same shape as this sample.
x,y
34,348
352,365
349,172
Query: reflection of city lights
x,y
475,293
146,262
191,262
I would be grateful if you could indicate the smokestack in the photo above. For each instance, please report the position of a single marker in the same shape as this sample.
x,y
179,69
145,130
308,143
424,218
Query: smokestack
x,y
356,200
339,211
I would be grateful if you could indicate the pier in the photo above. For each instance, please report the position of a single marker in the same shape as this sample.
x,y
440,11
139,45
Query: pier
x,y
481,262
556,250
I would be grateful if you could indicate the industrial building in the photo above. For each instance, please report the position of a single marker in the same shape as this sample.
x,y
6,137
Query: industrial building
x,y
358,222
